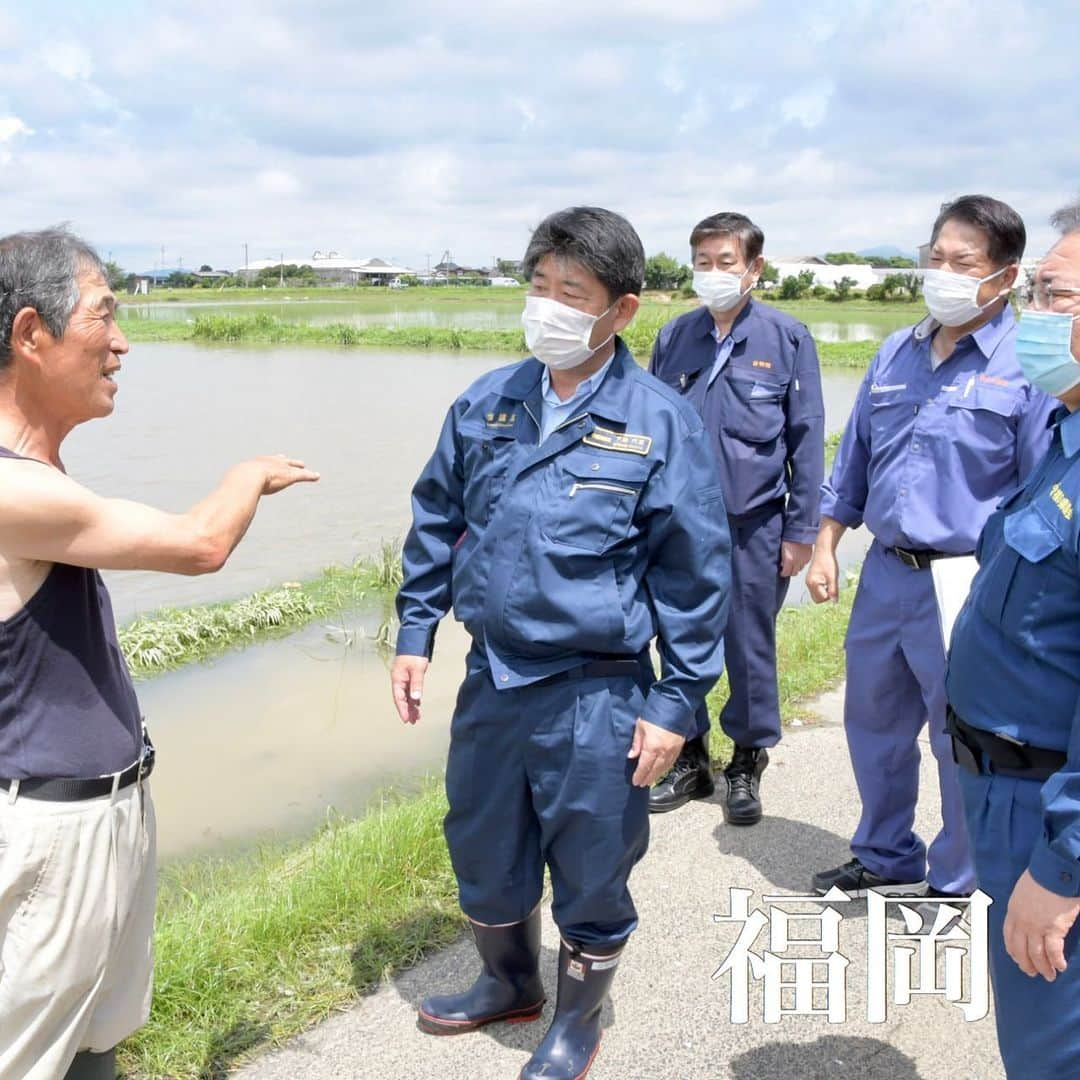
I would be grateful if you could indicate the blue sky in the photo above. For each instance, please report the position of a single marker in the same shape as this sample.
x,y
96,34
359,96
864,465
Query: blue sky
x,y
401,130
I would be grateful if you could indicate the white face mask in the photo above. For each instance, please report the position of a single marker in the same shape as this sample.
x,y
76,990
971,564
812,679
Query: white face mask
x,y
720,289
557,334
950,297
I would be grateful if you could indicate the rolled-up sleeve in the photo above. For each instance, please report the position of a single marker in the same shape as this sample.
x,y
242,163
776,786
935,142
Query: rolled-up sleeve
x,y
425,595
688,578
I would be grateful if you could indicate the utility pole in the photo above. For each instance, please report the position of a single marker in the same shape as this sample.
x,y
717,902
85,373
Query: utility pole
x,y
281,271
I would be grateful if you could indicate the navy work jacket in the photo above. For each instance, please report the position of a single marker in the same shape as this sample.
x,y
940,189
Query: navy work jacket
x,y
1014,664
608,534
764,411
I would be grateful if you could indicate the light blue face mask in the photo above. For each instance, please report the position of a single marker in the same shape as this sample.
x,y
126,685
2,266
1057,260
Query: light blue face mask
x,y
1044,350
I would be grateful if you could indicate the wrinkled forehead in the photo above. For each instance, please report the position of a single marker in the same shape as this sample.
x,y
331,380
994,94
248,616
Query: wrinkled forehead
x,y
1062,261
93,288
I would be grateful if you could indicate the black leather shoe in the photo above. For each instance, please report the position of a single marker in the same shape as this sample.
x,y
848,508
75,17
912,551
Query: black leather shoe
x,y
508,988
690,778
854,879
567,1050
743,803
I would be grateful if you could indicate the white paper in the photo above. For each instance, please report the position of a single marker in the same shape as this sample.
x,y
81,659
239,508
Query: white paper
x,y
952,583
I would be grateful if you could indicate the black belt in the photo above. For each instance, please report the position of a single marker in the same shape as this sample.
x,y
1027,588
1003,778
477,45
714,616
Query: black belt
x,y
980,751
593,669
63,789
921,560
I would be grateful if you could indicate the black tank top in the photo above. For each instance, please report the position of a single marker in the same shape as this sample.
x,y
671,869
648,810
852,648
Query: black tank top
x,y
67,704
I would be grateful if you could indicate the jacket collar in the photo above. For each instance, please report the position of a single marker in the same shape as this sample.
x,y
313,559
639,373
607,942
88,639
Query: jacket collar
x,y
611,400
988,336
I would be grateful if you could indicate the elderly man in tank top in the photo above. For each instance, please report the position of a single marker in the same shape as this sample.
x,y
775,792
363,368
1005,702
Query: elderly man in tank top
x,y
76,819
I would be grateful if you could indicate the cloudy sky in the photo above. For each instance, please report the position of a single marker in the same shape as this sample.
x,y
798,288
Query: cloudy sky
x,y
399,130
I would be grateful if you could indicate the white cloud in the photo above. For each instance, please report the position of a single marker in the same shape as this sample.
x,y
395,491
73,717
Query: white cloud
x,y
68,60
277,182
406,129
809,106
10,126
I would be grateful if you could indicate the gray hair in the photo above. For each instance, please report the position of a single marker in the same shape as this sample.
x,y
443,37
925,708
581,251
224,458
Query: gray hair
x,y
40,270
1067,219
602,241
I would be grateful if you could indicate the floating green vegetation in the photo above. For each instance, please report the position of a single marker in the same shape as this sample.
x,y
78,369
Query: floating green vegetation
x,y
265,329
172,637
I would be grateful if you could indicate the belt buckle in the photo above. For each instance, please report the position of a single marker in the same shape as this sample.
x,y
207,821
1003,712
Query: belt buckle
x,y
908,558
146,763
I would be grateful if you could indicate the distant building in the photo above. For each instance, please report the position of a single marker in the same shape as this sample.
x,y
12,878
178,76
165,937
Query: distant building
x,y
332,269
826,273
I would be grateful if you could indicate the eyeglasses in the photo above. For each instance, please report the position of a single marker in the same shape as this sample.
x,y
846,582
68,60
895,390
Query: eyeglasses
x,y
1045,294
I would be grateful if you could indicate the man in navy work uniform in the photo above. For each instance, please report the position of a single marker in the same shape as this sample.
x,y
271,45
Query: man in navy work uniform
x,y
943,425
77,874
571,513
752,374
1014,683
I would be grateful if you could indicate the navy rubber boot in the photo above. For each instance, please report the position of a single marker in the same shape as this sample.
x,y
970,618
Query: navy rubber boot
x,y
570,1045
508,988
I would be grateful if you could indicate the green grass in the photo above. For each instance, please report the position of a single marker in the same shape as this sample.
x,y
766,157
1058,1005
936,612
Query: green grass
x,y
265,329
254,950
372,296
172,637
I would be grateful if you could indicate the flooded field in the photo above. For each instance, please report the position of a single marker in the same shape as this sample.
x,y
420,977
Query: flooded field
x,y
267,741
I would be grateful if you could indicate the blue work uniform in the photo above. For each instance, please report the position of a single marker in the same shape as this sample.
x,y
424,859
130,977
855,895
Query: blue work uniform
x,y
564,558
925,457
1014,671
758,391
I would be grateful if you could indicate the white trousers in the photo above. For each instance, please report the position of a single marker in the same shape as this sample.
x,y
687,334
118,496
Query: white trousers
x,y
77,891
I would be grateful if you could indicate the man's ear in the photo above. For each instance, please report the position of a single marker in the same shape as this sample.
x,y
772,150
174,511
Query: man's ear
x,y
28,333
625,310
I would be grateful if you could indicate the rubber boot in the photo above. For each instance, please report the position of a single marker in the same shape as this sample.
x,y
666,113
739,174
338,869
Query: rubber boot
x,y
742,806
570,1045
508,988
89,1066
689,778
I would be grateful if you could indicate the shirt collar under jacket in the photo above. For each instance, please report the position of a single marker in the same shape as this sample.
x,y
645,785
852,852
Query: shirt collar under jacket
x,y
739,328
1068,424
583,388
987,338
611,399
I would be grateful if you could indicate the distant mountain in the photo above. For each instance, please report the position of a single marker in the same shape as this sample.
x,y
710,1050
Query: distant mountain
x,y
888,251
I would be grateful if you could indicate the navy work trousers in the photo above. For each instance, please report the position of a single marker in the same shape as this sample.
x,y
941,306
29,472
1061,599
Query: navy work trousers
x,y
895,687
1038,1022
538,776
751,715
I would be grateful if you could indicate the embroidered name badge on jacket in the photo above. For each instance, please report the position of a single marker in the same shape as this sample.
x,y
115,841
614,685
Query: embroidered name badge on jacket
x,y
620,441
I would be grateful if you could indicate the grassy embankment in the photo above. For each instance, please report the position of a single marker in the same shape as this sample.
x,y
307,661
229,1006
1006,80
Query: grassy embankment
x,y
263,328
250,951
172,637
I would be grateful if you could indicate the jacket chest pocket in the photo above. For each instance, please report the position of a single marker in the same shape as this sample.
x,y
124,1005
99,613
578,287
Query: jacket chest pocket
x,y
981,423
487,461
1026,575
593,501
753,408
